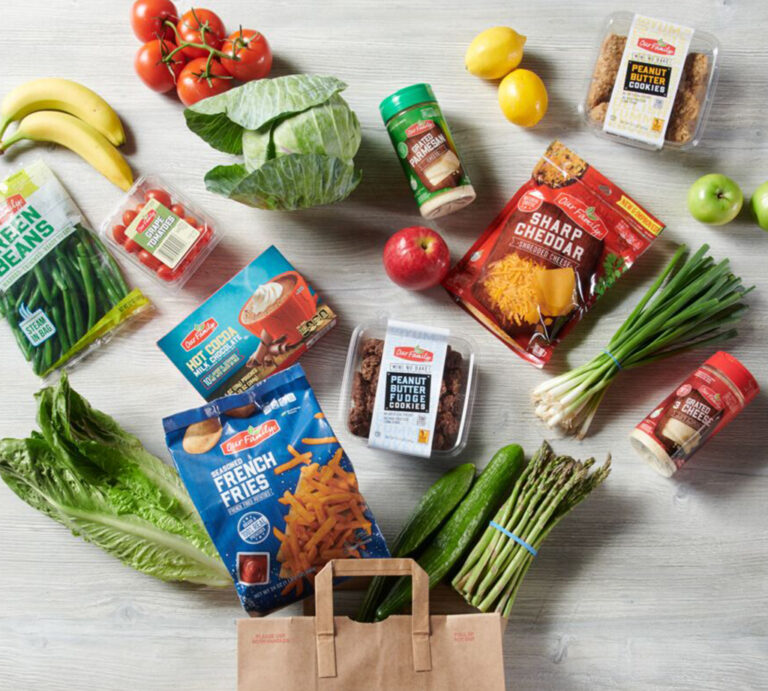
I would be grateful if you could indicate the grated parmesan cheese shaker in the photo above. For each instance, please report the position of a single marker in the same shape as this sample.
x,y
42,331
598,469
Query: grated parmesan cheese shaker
x,y
426,151
698,409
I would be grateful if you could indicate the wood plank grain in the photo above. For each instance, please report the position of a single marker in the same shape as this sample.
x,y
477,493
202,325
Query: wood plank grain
x,y
650,584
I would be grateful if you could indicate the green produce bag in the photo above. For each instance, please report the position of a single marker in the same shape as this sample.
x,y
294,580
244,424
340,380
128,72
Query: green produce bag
x,y
61,292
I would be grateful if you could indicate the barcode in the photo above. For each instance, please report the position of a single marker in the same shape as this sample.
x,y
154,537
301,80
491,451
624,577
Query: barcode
x,y
171,250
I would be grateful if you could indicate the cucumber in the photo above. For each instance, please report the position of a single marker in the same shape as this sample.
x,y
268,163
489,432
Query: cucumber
x,y
460,530
433,508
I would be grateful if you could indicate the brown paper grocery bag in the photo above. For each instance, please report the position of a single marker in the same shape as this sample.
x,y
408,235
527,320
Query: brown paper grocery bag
x,y
402,653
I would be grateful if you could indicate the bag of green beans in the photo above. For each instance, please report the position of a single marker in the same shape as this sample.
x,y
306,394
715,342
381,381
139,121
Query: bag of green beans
x,y
61,291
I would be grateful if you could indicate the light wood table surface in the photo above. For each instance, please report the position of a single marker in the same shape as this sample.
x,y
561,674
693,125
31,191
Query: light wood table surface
x,y
650,584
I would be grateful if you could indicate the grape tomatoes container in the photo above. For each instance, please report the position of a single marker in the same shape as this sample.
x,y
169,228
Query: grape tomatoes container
x,y
161,231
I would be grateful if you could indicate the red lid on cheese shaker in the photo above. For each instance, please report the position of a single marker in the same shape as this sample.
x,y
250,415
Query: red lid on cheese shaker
x,y
736,372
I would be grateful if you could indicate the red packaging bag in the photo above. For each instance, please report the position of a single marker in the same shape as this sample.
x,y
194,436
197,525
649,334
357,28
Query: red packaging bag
x,y
559,244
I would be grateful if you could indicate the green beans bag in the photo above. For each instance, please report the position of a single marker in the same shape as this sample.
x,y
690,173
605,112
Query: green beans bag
x,y
61,292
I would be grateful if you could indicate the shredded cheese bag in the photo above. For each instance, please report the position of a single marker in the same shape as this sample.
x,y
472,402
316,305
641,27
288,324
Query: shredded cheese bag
x,y
275,490
560,243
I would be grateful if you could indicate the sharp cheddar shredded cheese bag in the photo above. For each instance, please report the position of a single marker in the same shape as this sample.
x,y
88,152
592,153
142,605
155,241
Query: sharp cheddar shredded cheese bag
x,y
274,488
558,245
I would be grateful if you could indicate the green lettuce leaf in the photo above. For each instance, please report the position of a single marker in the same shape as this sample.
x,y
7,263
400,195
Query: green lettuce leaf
x,y
291,182
220,120
87,473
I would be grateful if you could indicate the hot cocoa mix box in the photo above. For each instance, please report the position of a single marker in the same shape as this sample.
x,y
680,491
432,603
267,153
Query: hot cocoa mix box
x,y
261,321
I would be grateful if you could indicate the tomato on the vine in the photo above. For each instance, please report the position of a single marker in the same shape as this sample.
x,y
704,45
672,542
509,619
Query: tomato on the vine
x,y
200,26
195,83
152,70
251,57
148,19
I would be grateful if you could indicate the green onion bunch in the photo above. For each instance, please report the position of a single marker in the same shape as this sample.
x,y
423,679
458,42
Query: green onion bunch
x,y
548,488
693,303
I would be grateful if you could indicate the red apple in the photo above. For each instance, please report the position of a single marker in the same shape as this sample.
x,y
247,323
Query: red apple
x,y
416,258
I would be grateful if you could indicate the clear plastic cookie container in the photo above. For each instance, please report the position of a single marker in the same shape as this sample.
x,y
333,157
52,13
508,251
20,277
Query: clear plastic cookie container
x,y
667,76
457,389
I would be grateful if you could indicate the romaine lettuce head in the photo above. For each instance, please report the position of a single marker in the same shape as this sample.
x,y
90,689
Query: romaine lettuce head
x,y
298,138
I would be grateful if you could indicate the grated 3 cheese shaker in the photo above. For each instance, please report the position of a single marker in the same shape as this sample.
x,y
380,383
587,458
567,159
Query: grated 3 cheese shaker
x,y
426,151
698,409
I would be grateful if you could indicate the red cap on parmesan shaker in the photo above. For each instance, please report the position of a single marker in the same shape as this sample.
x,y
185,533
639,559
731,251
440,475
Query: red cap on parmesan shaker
x,y
740,376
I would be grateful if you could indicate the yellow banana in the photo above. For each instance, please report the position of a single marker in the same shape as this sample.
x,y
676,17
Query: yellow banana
x,y
78,136
64,95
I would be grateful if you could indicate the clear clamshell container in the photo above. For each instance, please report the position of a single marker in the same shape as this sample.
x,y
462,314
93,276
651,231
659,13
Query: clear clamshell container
x,y
647,112
161,231
457,389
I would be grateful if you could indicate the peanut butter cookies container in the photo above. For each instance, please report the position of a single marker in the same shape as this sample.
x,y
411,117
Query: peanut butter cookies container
x,y
695,411
409,388
426,150
653,82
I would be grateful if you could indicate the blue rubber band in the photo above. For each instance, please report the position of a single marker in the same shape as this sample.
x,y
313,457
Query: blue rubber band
x,y
514,537
612,356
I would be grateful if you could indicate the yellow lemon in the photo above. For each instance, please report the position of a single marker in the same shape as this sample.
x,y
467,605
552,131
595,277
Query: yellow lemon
x,y
494,52
523,98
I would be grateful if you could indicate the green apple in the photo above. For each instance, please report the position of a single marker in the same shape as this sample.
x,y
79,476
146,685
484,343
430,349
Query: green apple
x,y
715,199
759,204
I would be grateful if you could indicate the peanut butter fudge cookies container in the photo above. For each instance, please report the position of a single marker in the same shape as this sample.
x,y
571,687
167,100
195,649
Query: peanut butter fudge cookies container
x,y
653,82
425,147
409,388
695,411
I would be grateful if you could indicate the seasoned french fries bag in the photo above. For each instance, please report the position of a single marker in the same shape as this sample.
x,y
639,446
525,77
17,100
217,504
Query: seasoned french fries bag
x,y
277,493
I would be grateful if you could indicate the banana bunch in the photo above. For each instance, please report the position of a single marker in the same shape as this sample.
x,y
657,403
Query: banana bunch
x,y
71,115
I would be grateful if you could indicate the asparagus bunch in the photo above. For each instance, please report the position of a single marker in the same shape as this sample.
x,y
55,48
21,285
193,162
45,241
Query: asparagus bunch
x,y
549,487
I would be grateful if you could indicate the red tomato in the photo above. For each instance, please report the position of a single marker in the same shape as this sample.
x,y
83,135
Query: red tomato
x,y
128,217
192,221
200,26
251,56
148,260
118,232
178,209
166,273
206,234
193,85
131,245
148,19
158,75
161,195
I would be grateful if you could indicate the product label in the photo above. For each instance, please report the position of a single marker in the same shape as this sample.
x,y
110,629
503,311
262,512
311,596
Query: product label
x,y
36,326
408,391
646,85
701,406
162,233
36,214
426,151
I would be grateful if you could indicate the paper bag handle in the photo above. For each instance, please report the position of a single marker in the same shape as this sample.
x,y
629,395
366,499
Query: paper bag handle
x,y
325,633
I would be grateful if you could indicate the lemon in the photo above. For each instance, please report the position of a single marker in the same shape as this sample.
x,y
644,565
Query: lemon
x,y
494,52
523,98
